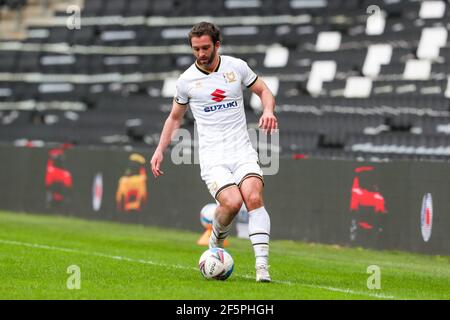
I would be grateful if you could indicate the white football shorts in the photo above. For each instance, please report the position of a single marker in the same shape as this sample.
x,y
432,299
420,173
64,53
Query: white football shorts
x,y
223,176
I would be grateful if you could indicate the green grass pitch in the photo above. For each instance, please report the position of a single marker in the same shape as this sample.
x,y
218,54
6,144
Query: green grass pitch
x,y
119,261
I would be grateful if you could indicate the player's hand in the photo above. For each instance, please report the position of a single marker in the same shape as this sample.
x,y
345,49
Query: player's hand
x,y
156,163
268,122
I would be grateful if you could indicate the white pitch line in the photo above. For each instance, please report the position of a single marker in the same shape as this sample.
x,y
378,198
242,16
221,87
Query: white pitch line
x,y
149,262
375,295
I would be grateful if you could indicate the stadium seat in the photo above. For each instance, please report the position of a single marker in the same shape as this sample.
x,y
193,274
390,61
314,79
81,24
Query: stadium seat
x,y
84,36
93,8
114,7
137,8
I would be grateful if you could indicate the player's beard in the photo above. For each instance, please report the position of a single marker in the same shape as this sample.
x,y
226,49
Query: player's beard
x,y
210,60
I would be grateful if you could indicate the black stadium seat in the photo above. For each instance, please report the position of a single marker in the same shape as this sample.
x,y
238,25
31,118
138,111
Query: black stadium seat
x,y
137,8
114,7
59,35
93,8
84,36
9,60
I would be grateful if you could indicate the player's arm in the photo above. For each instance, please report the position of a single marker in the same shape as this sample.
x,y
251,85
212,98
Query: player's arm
x,y
268,121
171,125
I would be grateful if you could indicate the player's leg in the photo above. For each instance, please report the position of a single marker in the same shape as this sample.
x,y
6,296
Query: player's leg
x,y
230,202
259,224
223,188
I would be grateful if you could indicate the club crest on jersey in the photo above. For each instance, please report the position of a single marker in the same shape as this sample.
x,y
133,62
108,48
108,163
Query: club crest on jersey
x,y
229,76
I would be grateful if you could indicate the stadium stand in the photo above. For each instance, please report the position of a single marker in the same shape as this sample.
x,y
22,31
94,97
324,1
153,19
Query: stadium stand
x,y
353,79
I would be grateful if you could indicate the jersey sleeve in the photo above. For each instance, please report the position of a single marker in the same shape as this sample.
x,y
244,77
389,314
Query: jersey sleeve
x,y
181,95
247,75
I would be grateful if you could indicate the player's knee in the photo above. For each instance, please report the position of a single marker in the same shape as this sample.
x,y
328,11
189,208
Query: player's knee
x,y
253,201
233,205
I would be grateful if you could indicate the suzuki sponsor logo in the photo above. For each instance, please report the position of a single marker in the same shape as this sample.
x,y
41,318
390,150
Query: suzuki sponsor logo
x,y
426,217
232,104
218,95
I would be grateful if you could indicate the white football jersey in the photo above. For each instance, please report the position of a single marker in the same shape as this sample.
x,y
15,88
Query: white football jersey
x,y
216,101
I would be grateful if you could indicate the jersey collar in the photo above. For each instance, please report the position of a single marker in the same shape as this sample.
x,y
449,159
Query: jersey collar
x,y
208,72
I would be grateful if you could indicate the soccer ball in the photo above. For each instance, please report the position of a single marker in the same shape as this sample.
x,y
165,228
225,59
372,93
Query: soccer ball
x,y
216,263
207,215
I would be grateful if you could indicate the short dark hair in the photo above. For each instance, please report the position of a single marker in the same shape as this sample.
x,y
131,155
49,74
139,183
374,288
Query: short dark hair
x,y
205,28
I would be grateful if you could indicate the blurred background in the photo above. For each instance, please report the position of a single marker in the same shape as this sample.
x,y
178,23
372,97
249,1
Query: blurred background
x,y
353,79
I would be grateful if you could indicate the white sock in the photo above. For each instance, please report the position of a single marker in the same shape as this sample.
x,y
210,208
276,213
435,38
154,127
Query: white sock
x,y
259,232
218,234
